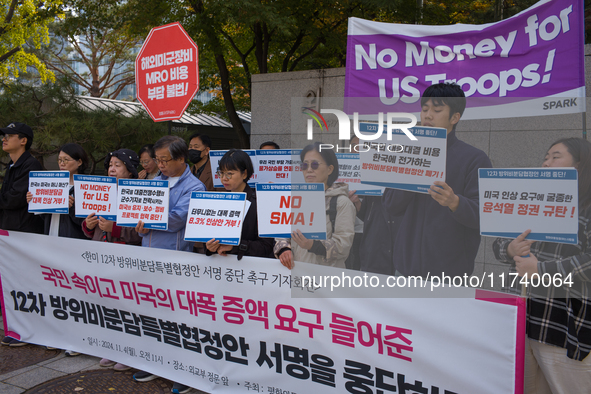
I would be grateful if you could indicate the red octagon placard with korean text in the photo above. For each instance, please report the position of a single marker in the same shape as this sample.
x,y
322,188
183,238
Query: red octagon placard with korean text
x,y
167,72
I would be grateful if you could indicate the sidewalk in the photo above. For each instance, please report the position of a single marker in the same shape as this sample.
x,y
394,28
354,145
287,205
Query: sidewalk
x,y
50,371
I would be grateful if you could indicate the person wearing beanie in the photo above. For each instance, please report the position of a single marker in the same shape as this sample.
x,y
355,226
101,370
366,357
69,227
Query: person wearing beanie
x,y
121,164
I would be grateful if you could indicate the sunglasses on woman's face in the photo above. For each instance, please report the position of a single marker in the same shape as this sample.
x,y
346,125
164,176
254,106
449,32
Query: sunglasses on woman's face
x,y
314,165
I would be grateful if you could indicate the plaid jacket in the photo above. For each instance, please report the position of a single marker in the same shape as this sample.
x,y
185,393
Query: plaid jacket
x,y
560,316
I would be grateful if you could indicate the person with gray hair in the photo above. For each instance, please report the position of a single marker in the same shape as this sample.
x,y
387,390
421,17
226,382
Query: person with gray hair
x,y
171,153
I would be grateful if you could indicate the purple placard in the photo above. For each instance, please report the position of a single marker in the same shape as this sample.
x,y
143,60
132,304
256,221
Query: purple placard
x,y
535,54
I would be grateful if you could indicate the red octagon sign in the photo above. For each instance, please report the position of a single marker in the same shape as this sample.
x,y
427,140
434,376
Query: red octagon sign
x,y
167,72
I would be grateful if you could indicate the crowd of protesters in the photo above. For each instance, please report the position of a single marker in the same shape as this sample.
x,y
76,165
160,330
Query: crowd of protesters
x,y
400,233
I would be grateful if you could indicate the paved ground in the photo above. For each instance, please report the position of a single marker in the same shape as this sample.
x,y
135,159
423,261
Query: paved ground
x,y
33,369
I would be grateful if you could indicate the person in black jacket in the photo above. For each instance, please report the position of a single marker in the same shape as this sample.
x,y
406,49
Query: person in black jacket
x,y
17,139
71,158
235,171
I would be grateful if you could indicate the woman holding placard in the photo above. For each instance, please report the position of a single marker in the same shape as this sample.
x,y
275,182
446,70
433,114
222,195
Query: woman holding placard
x,y
322,166
558,317
235,169
121,164
72,158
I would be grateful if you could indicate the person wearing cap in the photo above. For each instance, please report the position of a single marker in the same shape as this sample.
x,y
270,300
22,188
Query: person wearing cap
x,y
17,139
121,164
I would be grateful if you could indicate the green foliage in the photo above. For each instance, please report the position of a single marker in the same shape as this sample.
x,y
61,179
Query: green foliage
x,y
24,23
56,119
93,34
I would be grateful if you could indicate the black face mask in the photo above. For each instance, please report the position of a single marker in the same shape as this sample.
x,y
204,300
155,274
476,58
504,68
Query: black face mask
x,y
194,155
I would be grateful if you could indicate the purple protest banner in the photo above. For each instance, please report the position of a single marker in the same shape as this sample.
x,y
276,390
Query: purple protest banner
x,y
535,59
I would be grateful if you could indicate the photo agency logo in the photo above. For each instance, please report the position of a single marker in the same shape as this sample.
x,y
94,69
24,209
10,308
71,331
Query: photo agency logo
x,y
394,121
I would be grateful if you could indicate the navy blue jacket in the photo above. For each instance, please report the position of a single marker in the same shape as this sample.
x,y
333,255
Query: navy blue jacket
x,y
432,239
377,240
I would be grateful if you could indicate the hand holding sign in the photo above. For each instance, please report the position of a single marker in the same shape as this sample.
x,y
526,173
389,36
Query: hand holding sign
x,y
140,228
444,195
526,266
105,225
520,246
91,221
301,240
286,259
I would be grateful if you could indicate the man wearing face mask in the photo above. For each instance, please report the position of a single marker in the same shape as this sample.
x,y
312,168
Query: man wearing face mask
x,y
199,146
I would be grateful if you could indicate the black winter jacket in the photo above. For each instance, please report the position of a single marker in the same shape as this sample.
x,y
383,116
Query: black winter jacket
x,y
14,213
250,242
70,225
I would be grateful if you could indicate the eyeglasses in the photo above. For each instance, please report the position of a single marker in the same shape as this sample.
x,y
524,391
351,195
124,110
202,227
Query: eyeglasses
x,y
225,175
6,137
162,161
63,161
146,162
314,165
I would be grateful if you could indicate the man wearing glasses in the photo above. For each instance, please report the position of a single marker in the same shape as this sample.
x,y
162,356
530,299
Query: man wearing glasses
x,y
171,156
17,139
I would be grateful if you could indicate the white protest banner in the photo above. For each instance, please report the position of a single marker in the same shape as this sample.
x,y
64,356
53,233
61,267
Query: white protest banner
x,y
216,215
403,164
275,165
350,173
216,155
226,326
544,200
530,64
50,191
95,194
145,200
283,208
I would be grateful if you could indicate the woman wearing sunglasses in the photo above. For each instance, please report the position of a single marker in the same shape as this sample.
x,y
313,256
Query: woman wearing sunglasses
x,y
235,169
322,166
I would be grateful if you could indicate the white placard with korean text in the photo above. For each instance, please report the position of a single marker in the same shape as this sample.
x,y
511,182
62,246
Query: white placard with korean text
x,y
225,326
145,200
214,159
50,191
544,200
216,215
95,194
276,165
401,163
284,208
350,173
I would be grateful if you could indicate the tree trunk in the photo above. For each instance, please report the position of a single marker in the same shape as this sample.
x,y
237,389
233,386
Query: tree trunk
x,y
228,100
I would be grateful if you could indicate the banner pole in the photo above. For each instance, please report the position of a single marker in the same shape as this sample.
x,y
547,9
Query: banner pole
x,y
585,125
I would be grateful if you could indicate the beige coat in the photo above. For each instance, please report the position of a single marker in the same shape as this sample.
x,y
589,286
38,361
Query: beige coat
x,y
338,240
